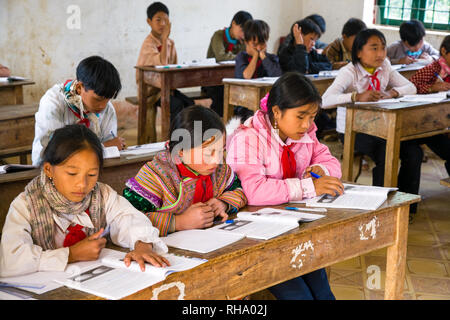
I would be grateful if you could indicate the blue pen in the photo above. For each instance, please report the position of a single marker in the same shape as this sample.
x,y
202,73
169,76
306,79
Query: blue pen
x,y
105,232
438,76
229,221
315,175
113,135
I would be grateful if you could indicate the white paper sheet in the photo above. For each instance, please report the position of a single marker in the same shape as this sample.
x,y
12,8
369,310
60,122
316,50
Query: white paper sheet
x,y
202,241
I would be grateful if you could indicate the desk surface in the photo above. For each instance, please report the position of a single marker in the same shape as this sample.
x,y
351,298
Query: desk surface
x,y
251,265
189,68
15,83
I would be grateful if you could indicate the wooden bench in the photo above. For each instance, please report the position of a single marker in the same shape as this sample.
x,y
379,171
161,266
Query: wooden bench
x,y
17,130
446,182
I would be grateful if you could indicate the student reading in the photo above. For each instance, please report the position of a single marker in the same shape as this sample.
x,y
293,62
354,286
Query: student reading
x,y
188,185
60,216
85,100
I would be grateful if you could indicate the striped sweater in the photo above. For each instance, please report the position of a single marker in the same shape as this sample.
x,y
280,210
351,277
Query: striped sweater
x,y
161,193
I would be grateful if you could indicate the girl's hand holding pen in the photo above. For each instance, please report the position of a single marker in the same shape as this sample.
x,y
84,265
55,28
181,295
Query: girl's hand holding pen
x,y
313,171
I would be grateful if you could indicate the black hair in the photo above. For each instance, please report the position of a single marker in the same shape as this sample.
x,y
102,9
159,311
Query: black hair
x,y
156,7
186,119
445,44
241,17
70,139
308,26
361,39
353,26
319,20
99,75
290,91
412,31
256,29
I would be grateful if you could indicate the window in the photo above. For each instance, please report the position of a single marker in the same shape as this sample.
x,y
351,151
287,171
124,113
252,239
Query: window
x,y
435,14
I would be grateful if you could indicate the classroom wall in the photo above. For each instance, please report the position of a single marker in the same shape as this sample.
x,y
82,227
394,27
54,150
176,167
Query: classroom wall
x,y
35,41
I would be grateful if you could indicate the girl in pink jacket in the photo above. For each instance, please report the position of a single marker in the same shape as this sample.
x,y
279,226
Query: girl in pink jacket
x,y
275,150
274,153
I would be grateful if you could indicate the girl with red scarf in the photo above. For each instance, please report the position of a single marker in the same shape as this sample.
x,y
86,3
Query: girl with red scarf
x,y
61,216
274,153
188,185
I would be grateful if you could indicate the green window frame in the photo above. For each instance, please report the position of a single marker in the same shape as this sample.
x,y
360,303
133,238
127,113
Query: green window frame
x,y
422,10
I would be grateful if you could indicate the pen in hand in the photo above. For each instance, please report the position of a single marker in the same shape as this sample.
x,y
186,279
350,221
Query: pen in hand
x,y
439,77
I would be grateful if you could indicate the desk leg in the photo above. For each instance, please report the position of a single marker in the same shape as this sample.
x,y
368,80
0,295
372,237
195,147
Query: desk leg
x,y
396,258
392,150
142,104
18,93
165,107
349,146
227,112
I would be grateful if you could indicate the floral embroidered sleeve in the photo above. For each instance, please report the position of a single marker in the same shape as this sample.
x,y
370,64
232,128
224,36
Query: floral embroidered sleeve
x,y
233,195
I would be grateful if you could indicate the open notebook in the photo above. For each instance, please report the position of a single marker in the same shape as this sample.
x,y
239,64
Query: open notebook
x,y
263,224
111,279
354,197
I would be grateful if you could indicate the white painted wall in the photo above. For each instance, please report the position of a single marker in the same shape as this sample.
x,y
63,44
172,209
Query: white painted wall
x,y
35,42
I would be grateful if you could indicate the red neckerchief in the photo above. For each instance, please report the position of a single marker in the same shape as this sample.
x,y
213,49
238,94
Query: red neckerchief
x,y
75,234
84,121
375,81
258,64
204,186
288,162
159,48
230,46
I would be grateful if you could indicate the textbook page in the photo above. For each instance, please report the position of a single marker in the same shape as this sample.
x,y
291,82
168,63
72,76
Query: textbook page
x,y
111,152
393,100
264,80
431,97
144,149
354,197
256,229
198,240
111,279
279,215
328,73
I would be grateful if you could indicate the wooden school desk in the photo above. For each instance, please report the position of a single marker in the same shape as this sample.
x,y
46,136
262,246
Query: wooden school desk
x,y
115,173
395,122
17,130
243,93
250,265
174,78
12,92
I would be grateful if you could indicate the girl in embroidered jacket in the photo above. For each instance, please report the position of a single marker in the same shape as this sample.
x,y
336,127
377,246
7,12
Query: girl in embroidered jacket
x,y
61,215
187,186
85,100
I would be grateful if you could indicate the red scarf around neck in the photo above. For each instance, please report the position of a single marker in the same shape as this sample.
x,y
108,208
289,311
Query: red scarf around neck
x,y
288,162
204,186
375,81
75,234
